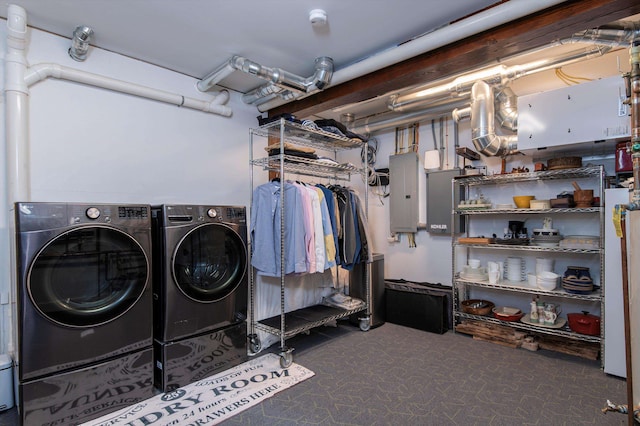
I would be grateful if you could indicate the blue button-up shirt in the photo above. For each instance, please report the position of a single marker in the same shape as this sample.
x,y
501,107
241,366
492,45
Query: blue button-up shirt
x,y
265,230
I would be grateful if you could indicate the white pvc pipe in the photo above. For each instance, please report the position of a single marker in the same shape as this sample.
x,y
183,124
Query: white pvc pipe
x,y
16,93
482,21
43,71
17,158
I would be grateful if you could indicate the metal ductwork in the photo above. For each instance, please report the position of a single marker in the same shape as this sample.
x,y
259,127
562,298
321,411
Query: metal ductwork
x,y
604,40
429,101
80,43
379,122
281,84
507,111
483,134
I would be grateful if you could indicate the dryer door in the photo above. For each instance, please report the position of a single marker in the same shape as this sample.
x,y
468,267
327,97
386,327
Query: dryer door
x,y
209,262
87,276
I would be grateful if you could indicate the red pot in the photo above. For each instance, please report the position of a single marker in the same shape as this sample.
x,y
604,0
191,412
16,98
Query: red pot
x,y
584,323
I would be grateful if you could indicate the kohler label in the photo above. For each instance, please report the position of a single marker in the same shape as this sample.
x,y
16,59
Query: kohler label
x,y
439,227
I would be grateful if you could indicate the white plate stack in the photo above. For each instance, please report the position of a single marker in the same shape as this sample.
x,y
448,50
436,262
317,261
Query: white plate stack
x,y
514,268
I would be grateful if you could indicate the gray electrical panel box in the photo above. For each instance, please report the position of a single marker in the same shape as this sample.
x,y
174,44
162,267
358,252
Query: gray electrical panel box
x,y
440,202
403,192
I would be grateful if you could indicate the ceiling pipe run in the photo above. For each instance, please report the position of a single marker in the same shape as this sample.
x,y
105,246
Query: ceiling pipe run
x,y
282,84
319,80
375,123
496,75
43,71
419,102
604,40
500,14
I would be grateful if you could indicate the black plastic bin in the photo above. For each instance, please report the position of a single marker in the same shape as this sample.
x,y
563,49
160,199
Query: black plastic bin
x,y
424,306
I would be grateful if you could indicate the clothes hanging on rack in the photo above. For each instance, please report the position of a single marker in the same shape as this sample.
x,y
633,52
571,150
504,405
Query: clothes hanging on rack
x,y
354,241
323,227
265,230
334,218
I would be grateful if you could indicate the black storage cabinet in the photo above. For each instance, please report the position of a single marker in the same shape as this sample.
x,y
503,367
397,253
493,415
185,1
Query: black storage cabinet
x,y
419,305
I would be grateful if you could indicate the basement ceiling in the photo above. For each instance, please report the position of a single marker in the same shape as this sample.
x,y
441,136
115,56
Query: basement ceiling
x,y
193,37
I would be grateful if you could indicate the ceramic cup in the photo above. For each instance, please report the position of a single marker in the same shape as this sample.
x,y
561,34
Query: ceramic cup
x,y
493,276
474,263
550,313
549,317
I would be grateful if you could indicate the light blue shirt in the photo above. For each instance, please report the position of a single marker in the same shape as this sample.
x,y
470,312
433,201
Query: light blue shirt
x,y
265,230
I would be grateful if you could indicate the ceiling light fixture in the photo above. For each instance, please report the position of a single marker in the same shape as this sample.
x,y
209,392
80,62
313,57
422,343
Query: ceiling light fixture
x,y
80,43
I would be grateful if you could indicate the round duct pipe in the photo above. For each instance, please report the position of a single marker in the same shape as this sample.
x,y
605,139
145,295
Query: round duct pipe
x,y
80,43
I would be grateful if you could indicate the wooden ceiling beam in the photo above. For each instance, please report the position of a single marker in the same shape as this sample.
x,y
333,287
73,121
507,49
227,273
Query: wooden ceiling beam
x,y
539,29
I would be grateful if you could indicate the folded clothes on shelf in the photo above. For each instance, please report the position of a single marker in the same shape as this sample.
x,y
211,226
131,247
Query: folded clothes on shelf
x,y
340,300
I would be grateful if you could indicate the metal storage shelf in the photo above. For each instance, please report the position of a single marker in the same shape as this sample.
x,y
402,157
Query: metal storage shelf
x,y
307,167
471,211
514,287
562,332
462,287
577,173
529,248
304,319
289,131
288,324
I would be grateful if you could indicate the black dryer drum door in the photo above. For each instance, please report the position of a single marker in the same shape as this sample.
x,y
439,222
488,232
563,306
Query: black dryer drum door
x,y
209,262
88,276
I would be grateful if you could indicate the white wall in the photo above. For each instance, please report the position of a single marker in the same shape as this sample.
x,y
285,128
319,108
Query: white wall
x,y
93,145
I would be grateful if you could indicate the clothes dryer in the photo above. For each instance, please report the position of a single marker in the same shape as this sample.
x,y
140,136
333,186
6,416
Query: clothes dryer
x,y
84,310
200,291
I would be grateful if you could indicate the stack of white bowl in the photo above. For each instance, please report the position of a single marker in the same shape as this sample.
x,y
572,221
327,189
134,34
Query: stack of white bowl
x,y
547,280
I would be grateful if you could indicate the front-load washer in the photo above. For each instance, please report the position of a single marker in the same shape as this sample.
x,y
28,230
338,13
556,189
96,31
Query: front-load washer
x,y
200,291
84,341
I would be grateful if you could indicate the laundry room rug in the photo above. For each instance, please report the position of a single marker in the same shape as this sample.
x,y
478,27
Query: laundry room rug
x,y
214,399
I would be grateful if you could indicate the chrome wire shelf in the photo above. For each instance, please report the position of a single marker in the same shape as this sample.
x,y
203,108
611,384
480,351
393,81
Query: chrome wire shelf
x,y
306,136
304,319
510,286
307,167
530,248
564,331
577,173
472,211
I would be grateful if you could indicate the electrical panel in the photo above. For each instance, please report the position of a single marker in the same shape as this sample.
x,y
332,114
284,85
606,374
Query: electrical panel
x,y
403,192
440,202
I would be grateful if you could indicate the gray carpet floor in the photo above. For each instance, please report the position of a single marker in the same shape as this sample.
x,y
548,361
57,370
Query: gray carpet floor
x,y
394,375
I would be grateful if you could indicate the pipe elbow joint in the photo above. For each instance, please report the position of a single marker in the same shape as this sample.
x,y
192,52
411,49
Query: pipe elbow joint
x,y
222,110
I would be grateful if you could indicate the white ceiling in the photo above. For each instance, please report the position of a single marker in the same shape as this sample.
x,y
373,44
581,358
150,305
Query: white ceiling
x,y
194,37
